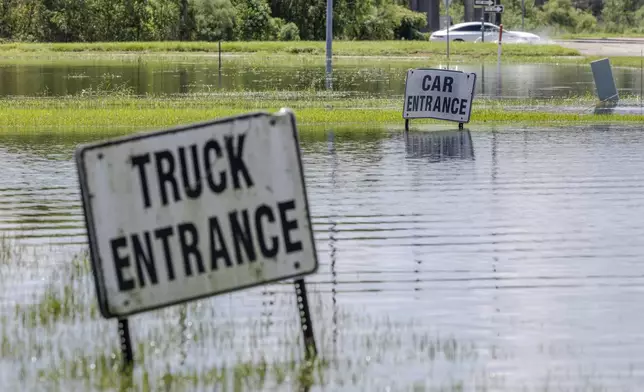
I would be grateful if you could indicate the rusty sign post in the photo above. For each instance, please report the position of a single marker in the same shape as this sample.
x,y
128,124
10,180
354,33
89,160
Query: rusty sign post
x,y
195,211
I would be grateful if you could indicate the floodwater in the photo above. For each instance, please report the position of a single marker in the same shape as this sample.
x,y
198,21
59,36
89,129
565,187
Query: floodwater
x,y
483,259
378,78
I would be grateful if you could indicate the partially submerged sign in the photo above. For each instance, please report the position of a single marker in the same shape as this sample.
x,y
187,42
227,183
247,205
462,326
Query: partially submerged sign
x,y
604,81
194,211
440,94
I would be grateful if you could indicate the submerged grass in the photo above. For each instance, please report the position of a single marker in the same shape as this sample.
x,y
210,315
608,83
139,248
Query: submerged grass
x,y
61,301
115,114
60,347
104,372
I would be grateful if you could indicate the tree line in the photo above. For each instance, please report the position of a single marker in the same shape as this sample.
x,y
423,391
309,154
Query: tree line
x,y
286,20
209,20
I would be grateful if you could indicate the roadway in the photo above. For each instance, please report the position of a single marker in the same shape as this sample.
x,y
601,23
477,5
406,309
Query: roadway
x,y
605,46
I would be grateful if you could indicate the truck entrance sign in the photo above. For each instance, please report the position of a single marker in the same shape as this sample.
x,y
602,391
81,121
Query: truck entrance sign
x,y
195,211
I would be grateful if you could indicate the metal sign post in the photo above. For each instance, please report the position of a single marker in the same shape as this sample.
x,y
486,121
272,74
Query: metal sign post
x,y
329,41
447,28
481,4
195,211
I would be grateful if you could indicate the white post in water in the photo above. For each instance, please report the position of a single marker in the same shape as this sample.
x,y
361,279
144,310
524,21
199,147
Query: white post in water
x,y
329,39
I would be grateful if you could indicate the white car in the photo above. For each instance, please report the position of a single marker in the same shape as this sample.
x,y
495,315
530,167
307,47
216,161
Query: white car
x,y
471,32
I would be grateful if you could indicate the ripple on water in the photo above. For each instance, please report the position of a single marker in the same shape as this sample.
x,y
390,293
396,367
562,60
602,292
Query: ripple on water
x,y
508,258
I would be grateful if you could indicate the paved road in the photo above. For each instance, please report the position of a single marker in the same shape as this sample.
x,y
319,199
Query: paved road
x,y
605,47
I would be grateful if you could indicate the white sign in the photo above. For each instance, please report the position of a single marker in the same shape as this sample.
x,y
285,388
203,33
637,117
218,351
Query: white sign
x,y
439,93
480,3
495,8
195,211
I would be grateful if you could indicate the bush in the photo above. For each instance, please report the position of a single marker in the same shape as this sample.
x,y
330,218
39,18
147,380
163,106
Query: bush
x,y
215,20
408,23
390,21
561,14
586,23
255,21
289,32
376,26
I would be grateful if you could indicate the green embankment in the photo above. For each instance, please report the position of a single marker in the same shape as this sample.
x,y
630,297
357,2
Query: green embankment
x,y
340,48
124,114
300,51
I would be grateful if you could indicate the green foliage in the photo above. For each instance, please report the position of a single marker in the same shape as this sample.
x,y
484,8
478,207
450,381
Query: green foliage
x,y
586,22
215,20
577,17
390,21
407,24
161,22
620,16
254,18
562,14
287,20
289,32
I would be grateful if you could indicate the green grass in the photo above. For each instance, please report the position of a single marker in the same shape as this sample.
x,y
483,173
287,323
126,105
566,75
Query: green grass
x,y
262,54
300,53
36,338
125,113
620,61
104,373
61,301
262,60
340,48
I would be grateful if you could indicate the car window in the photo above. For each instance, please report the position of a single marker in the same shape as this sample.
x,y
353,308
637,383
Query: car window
x,y
467,28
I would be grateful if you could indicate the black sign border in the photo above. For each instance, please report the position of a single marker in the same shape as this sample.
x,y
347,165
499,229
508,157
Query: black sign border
x,y
86,199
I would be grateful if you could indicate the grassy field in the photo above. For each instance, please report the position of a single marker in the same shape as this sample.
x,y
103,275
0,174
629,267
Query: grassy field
x,y
126,113
340,48
619,61
294,53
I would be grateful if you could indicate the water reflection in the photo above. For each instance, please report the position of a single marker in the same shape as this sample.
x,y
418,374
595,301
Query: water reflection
x,y
524,262
439,145
333,231
377,79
